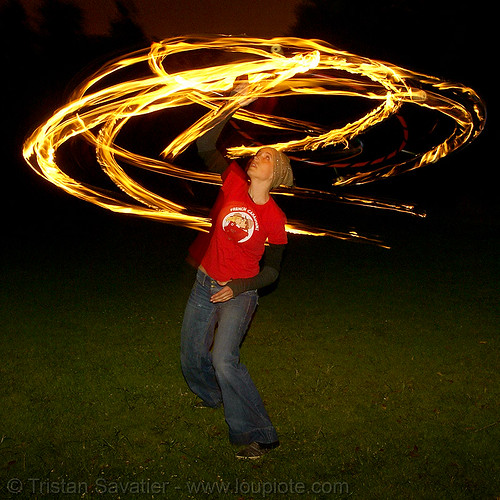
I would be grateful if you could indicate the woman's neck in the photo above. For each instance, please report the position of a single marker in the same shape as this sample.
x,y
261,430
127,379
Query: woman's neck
x,y
259,192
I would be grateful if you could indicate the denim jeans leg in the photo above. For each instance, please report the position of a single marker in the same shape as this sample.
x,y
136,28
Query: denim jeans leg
x,y
244,410
196,340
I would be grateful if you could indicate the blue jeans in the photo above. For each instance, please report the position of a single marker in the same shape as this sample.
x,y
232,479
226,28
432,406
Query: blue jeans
x,y
211,360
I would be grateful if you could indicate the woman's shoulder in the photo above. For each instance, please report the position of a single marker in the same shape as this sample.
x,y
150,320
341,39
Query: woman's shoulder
x,y
234,169
274,213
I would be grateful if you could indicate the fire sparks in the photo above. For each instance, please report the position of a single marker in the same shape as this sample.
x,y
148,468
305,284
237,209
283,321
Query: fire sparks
x,y
173,74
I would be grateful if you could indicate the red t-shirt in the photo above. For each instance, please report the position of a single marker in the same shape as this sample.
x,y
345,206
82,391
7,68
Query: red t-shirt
x,y
240,229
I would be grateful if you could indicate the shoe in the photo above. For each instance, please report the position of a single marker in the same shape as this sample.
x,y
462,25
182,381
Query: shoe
x,y
256,450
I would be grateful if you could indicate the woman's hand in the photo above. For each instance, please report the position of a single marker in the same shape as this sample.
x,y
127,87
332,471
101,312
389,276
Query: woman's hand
x,y
222,295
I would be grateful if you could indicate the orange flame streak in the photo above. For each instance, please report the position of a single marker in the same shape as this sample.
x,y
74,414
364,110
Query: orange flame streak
x,y
98,113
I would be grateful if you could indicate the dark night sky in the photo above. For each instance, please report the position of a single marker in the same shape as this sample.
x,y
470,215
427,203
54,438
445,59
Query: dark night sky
x,y
456,51
166,18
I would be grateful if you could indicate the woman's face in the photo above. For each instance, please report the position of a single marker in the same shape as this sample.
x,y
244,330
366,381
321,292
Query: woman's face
x,y
262,165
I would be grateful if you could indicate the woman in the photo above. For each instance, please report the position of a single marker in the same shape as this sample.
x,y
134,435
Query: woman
x,y
247,227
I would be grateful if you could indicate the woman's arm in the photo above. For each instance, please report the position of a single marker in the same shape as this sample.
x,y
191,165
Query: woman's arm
x,y
207,148
268,275
207,143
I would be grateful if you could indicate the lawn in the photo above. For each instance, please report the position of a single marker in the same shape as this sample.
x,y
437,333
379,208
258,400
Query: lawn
x,y
379,367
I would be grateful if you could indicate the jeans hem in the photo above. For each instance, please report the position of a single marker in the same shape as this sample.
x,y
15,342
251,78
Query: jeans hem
x,y
266,435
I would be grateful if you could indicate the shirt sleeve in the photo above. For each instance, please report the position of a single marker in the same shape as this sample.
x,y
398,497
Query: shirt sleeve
x,y
232,176
277,233
268,275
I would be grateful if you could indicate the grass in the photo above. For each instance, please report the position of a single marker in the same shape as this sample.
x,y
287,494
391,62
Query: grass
x,y
379,368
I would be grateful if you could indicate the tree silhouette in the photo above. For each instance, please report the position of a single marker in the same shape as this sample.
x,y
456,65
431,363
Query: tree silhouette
x,y
124,30
41,64
60,20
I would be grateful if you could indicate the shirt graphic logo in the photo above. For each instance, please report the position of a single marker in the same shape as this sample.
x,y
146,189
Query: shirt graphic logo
x,y
238,226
